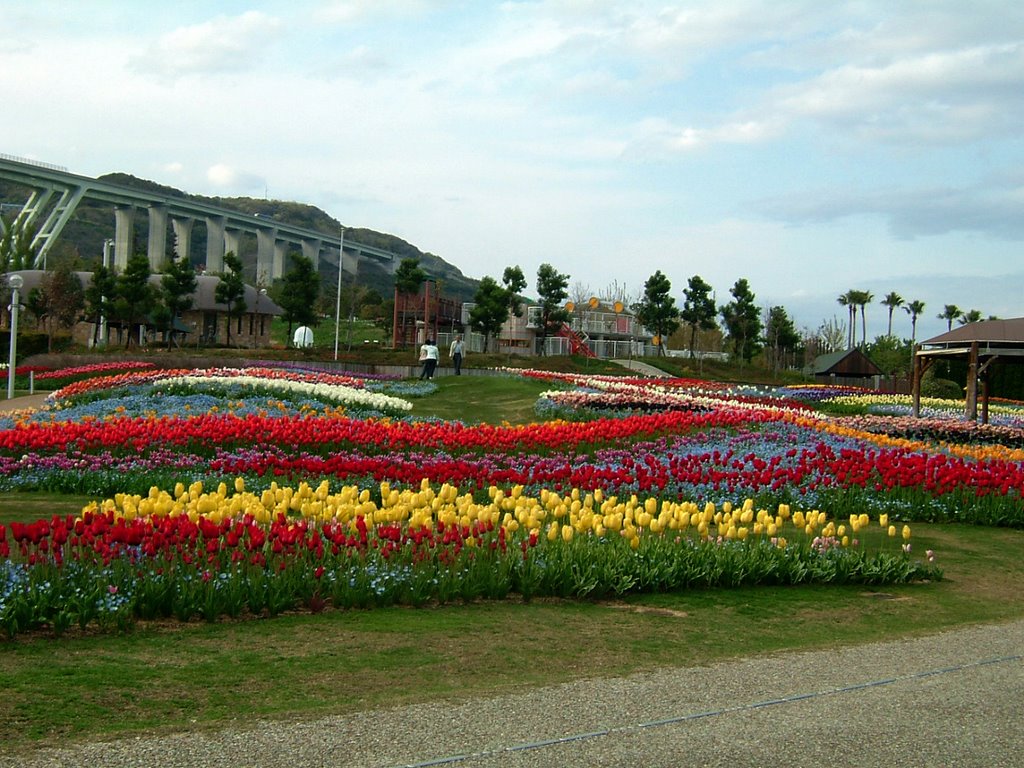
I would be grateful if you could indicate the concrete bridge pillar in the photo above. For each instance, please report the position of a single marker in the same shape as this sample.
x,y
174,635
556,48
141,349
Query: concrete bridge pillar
x,y
182,237
280,251
265,240
311,250
215,244
232,243
124,235
157,244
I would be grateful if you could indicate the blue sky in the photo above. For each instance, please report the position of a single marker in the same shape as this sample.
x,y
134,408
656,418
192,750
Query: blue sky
x,y
810,147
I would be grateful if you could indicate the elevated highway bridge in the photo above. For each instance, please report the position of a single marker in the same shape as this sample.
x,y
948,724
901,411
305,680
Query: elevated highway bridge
x,y
56,193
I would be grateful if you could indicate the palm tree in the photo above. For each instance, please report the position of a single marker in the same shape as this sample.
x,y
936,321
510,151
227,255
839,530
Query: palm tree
x,y
892,300
914,309
950,313
848,300
970,317
861,300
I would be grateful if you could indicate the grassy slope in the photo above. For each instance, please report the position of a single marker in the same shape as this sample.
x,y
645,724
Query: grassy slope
x,y
167,676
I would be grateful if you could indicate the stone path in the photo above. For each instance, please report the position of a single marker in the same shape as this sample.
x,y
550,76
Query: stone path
x,y
952,699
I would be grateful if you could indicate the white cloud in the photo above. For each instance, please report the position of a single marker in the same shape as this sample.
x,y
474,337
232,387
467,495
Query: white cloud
x,y
222,44
234,180
354,11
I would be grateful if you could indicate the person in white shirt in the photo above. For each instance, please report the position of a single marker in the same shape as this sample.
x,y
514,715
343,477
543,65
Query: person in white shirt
x,y
455,352
428,356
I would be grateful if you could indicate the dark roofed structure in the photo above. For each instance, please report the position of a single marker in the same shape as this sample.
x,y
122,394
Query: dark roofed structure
x,y
982,344
848,366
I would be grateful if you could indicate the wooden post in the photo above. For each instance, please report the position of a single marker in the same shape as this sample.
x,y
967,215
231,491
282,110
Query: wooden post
x,y
915,385
972,383
984,398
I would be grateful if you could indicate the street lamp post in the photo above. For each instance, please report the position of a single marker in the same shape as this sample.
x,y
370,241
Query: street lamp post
x,y
16,282
259,317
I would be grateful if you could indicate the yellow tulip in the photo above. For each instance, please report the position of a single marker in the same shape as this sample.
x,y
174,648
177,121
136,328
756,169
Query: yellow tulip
x,y
906,533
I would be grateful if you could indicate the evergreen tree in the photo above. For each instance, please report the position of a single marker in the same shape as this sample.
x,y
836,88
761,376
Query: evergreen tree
x,y
299,292
490,309
743,321
177,287
514,281
656,310
408,279
551,291
135,296
230,290
698,309
780,336
99,298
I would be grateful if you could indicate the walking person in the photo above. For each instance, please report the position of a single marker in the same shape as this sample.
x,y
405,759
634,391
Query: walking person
x,y
455,352
428,356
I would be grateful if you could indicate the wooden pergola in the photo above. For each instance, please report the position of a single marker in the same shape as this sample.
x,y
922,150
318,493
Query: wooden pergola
x,y
982,344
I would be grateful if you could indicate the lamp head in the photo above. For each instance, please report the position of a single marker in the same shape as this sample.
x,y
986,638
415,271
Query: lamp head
x,y
15,282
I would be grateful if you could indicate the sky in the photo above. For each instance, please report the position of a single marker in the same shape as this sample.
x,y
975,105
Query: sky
x,y
811,147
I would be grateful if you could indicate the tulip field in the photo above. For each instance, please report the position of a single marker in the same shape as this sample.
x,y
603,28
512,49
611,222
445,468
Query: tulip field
x,y
257,491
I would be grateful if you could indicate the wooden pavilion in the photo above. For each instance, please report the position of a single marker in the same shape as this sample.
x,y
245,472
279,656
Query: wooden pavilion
x,y
982,344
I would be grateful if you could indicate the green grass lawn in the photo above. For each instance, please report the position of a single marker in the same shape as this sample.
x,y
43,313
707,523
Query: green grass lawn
x,y
167,676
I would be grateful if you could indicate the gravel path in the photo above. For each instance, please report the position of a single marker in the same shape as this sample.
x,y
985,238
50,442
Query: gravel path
x,y
954,699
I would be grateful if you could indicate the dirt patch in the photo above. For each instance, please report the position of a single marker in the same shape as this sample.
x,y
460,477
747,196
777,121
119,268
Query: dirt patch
x,y
648,609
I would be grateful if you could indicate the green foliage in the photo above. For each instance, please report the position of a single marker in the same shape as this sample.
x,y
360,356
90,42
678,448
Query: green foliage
x,y
949,313
177,285
299,292
743,321
890,354
490,309
657,309
941,388
230,290
698,309
780,336
514,281
16,249
409,276
100,296
134,296
551,292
